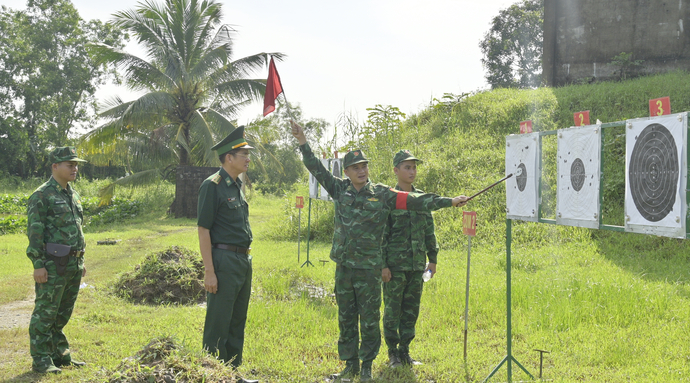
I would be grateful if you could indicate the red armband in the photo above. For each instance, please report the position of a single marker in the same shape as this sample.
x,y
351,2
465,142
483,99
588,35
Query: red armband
x,y
401,200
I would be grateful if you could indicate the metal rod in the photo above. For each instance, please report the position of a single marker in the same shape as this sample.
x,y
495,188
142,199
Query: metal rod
x,y
509,330
299,232
490,186
307,262
467,294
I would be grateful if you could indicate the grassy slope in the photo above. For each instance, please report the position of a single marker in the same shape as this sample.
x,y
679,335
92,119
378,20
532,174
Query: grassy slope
x,y
609,306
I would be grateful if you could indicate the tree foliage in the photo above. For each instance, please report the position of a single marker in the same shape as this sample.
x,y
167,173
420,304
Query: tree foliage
x,y
47,79
512,48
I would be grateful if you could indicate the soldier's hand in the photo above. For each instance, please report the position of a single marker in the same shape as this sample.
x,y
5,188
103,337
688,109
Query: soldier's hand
x,y
459,201
211,282
432,267
41,275
298,132
386,274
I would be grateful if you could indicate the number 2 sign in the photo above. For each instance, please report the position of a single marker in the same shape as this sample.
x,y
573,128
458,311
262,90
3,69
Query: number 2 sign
x,y
581,118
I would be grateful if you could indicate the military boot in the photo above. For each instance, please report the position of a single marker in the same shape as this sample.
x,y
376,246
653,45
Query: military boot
x,y
47,370
350,371
365,375
75,363
393,359
407,360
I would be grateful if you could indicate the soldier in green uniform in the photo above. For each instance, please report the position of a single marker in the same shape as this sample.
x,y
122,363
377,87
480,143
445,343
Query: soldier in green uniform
x,y
56,249
225,238
361,209
410,241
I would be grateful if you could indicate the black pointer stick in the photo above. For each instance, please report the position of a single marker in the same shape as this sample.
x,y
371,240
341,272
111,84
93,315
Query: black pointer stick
x,y
492,185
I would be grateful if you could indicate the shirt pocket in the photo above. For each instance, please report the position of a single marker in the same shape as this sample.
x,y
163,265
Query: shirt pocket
x,y
234,205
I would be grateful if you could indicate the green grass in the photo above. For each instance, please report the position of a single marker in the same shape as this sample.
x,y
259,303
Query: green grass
x,y
610,307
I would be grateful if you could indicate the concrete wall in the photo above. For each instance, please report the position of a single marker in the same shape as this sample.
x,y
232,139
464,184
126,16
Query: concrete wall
x,y
581,37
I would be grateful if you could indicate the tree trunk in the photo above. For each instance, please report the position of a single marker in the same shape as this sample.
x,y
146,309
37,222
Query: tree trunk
x,y
187,183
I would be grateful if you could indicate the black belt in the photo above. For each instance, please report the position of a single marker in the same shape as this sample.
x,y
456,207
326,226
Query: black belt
x,y
236,249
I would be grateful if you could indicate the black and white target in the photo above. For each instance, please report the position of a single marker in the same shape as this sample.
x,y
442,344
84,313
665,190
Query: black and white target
x,y
577,198
656,175
522,160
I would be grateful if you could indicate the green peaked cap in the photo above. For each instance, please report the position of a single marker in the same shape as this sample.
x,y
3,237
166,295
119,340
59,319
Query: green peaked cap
x,y
234,140
354,157
64,153
404,155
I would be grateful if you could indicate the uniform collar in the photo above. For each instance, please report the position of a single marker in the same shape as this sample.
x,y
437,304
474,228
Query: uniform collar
x,y
228,180
57,185
397,187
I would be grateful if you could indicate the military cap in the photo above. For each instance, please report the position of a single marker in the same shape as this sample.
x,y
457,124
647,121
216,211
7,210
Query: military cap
x,y
234,140
404,155
64,153
354,157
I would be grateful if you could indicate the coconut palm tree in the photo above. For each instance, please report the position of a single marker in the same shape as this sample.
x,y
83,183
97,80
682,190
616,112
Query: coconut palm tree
x,y
192,88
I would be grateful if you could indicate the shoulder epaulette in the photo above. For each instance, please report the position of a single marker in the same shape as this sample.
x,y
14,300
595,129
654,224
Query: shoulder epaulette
x,y
216,178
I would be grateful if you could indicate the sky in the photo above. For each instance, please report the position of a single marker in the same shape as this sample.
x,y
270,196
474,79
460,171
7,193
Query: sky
x,y
347,56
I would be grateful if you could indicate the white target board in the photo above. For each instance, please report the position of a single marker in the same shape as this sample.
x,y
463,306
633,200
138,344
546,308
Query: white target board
x,y
522,161
656,175
578,169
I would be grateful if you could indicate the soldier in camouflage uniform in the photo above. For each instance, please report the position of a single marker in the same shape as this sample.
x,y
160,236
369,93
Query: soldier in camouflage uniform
x,y
225,239
408,244
361,208
56,249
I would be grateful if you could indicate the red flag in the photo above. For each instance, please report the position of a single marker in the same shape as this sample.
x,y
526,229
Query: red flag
x,y
273,89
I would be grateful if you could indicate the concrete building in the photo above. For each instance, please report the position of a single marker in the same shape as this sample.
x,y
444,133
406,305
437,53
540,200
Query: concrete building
x,y
581,37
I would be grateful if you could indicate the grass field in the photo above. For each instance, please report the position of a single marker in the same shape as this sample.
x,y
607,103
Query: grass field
x,y
609,309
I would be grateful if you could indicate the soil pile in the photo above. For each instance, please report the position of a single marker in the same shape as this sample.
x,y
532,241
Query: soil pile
x,y
172,276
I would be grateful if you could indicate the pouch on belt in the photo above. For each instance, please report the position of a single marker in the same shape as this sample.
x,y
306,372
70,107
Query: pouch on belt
x,y
60,256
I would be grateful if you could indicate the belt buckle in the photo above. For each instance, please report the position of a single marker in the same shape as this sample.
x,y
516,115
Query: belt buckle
x,y
249,250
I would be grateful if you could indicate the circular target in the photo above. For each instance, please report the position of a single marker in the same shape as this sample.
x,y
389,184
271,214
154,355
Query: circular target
x,y
653,172
577,174
521,178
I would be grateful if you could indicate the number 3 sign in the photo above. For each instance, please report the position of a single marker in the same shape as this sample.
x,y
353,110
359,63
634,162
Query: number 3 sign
x,y
659,106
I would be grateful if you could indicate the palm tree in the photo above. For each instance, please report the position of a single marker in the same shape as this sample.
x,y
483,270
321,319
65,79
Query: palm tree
x,y
192,89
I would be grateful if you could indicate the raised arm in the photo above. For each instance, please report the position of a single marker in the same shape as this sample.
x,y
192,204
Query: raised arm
x,y
329,182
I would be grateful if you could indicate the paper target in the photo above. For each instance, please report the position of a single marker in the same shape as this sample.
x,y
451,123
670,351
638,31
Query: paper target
x,y
577,198
522,160
656,175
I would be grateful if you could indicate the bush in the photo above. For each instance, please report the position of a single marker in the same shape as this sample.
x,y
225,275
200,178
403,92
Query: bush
x,y
13,203
174,275
12,224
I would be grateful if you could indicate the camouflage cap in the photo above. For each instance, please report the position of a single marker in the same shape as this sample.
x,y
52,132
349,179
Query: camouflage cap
x,y
234,140
404,155
354,157
64,153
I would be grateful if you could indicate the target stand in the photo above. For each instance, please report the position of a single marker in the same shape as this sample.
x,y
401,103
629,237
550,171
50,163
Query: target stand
x,y
656,185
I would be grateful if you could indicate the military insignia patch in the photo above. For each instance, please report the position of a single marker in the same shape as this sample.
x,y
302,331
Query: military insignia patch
x,y
216,179
356,153
373,199
73,151
232,199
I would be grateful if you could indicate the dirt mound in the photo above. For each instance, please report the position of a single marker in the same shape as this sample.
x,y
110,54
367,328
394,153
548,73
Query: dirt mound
x,y
165,361
172,276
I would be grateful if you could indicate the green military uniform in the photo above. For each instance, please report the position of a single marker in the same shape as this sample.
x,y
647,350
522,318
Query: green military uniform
x,y
54,215
360,218
223,209
411,239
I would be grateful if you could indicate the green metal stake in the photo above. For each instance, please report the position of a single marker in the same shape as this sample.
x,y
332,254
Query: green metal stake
x,y
307,262
509,358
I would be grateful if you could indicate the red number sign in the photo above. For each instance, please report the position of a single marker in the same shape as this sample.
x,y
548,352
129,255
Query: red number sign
x,y
526,126
300,202
659,106
469,223
581,118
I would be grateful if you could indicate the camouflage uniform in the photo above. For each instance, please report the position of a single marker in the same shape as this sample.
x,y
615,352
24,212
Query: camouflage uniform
x,y
410,241
54,215
360,218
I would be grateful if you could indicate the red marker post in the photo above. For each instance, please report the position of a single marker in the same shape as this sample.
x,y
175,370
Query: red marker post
x,y
526,126
299,204
581,118
659,106
469,228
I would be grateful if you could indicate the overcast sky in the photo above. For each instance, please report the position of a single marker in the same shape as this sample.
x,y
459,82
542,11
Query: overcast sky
x,y
351,55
